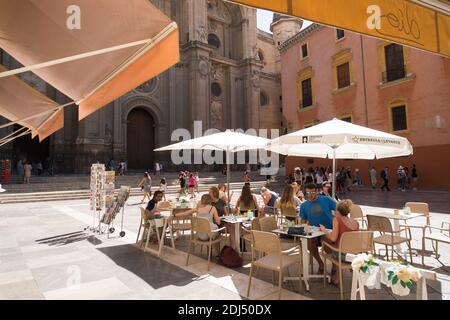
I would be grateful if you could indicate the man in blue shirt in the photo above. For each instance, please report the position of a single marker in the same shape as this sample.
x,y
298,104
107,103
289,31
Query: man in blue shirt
x,y
316,211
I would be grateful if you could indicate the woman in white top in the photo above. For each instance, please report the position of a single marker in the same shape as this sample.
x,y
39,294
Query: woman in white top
x,y
205,210
319,177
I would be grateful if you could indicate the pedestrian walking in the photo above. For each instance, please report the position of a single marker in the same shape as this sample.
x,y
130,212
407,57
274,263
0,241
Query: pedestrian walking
x,y
385,176
20,170
27,168
146,185
373,177
415,177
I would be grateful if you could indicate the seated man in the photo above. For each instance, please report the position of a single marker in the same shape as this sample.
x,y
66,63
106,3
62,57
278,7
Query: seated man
x,y
316,211
269,198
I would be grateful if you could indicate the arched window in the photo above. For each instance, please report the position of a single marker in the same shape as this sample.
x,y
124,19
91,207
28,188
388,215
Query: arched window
x,y
216,89
214,40
263,99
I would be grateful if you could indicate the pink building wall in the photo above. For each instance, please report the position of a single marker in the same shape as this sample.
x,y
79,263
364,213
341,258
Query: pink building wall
x,y
426,93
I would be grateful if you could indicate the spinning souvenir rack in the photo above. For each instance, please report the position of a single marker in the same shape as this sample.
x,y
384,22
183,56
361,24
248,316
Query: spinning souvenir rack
x,y
98,195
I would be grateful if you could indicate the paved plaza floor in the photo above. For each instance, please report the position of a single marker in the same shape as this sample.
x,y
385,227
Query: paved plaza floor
x,y
45,253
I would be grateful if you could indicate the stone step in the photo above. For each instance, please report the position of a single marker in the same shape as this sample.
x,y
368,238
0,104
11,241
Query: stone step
x,y
85,194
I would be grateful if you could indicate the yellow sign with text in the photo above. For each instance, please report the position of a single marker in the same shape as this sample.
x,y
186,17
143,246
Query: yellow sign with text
x,y
401,21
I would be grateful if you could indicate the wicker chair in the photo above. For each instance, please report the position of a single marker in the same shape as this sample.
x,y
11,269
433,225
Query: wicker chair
x,y
357,214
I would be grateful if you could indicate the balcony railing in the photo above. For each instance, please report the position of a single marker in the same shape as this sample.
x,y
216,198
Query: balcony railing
x,y
394,74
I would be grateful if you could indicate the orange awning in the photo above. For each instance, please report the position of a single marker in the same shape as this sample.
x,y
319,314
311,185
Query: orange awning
x,y
28,107
423,24
36,31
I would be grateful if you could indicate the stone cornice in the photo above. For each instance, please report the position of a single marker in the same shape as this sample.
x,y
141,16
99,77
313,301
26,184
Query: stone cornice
x,y
299,37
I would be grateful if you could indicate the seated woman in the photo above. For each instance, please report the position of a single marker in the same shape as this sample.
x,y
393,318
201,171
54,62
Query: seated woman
x,y
247,201
288,201
222,210
298,191
223,193
269,198
206,210
341,223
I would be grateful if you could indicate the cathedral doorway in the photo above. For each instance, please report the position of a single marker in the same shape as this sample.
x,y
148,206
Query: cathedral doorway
x,y
32,150
140,139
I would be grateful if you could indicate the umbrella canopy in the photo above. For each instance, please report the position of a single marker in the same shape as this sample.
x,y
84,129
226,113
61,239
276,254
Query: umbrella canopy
x,y
423,24
119,45
228,141
341,140
337,139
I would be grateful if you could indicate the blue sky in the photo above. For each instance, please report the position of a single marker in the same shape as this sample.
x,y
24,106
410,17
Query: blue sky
x,y
265,19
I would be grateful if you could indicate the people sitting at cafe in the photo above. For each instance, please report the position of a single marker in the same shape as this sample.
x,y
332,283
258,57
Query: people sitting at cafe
x,y
298,191
317,210
269,198
223,193
288,201
204,209
222,210
326,191
152,205
341,223
247,201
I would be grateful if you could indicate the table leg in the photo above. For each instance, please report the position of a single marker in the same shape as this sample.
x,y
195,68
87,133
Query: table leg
x,y
355,283
237,237
161,239
305,262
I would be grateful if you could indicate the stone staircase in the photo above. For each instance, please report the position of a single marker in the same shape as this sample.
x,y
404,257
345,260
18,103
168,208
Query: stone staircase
x,y
71,187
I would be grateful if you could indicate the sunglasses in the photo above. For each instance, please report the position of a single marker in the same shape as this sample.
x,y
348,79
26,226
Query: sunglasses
x,y
310,192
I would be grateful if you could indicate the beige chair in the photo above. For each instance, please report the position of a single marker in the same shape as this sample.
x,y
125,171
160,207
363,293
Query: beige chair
x,y
274,258
436,238
420,207
201,225
388,237
288,212
353,242
247,233
357,214
147,224
268,224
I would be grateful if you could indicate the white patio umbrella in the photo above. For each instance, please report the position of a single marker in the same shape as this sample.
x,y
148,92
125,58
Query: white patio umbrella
x,y
228,141
338,139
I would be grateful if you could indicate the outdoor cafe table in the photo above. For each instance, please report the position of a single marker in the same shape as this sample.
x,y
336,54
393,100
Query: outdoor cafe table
x,y
305,253
166,212
236,221
389,213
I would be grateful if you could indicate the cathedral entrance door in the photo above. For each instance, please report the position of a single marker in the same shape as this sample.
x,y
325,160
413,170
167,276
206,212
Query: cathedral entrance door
x,y
140,140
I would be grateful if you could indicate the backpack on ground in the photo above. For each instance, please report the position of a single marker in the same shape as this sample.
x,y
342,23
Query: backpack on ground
x,y
230,258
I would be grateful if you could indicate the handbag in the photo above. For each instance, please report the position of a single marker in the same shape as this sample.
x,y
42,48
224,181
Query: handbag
x,y
230,258
296,231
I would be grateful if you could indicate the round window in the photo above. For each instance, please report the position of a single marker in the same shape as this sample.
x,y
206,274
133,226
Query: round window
x,y
214,40
216,89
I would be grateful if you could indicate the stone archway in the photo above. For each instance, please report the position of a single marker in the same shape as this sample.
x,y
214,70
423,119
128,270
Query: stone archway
x,y
140,139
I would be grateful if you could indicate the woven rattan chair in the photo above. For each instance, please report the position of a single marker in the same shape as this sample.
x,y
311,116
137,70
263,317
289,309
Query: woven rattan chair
x,y
353,242
274,258
357,214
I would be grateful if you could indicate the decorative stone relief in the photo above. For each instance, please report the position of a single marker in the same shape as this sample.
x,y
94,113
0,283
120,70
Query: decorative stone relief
x,y
149,86
216,115
256,80
212,25
202,34
256,53
203,67
216,71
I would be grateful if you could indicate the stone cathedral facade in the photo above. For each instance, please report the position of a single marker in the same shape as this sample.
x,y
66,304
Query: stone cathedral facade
x,y
228,77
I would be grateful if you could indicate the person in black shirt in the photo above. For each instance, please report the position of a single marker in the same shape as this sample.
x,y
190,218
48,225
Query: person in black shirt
x,y
152,205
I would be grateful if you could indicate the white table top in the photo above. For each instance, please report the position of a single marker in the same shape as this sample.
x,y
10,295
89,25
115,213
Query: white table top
x,y
401,216
315,233
235,219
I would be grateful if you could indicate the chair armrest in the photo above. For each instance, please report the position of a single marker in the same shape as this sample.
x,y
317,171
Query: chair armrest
x,y
437,228
400,230
219,230
290,250
326,244
444,223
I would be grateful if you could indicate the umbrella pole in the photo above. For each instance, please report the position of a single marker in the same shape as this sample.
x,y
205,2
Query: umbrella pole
x,y
228,180
334,174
